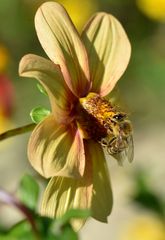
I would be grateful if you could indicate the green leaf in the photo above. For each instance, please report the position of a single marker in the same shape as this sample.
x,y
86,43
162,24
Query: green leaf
x,y
38,114
28,191
45,230
61,222
21,231
67,233
44,225
42,89
2,230
74,213
49,229
146,197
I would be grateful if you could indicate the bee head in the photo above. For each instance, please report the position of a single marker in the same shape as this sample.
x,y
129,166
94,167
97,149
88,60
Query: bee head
x,y
119,117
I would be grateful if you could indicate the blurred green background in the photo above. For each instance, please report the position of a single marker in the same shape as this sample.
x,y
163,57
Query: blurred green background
x,y
141,91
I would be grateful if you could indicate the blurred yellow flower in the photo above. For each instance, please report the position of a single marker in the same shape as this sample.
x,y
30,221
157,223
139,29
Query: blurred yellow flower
x,y
4,58
80,12
65,146
144,228
154,9
5,124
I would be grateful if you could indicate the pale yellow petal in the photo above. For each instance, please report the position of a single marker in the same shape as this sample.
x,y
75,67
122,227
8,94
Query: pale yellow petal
x,y
55,150
49,75
108,49
102,194
63,194
63,45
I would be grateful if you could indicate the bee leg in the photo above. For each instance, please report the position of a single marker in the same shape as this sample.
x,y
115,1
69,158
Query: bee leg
x,y
103,143
111,147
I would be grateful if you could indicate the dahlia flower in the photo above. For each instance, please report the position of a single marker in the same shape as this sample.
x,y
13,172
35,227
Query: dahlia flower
x,y
67,146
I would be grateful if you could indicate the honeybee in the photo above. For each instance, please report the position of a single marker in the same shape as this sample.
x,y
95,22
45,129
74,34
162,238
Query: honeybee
x,y
119,140
102,121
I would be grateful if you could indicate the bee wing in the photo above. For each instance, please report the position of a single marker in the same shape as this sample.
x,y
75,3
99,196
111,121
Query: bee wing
x,y
127,153
130,149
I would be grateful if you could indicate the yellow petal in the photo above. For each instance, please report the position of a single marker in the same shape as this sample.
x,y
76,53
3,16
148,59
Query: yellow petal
x,y
102,194
62,44
55,150
50,77
63,194
109,51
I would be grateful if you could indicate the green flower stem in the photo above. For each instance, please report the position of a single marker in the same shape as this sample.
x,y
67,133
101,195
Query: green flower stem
x,y
9,199
17,131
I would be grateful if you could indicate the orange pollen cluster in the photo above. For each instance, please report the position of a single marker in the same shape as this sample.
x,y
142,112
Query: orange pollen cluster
x,y
94,115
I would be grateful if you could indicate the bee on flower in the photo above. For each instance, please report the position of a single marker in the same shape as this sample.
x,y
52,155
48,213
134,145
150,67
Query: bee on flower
x,y
67,146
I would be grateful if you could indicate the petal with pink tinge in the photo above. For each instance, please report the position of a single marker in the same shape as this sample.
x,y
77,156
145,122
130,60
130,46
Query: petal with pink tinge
x,y
108,49
55,150
62,43
50,77
102,194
